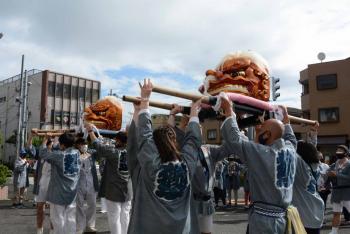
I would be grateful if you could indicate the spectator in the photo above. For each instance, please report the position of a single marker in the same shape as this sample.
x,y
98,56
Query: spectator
x,y
339,173
87,188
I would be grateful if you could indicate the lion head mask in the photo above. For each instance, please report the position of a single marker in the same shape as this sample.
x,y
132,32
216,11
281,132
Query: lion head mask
x,y
245,73
106,113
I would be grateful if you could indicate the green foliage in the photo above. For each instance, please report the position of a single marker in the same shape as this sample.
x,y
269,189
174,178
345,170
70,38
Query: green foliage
x,y
4,172
37,141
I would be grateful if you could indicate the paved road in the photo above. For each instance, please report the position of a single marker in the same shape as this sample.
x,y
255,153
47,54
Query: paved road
x,y
230,220
22,221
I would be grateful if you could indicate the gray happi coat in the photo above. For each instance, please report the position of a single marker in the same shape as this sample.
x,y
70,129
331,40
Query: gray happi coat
x,y
20,172
305,193
162,190
341,184
203,179
271,176
65,171
116,183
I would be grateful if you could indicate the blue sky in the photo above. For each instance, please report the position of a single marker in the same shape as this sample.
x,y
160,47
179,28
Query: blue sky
x,y
173,42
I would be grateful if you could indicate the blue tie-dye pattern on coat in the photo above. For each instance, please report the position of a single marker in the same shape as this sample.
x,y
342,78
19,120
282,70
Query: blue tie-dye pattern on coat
x,y
171,181
285,169
71,164
123,163
312,186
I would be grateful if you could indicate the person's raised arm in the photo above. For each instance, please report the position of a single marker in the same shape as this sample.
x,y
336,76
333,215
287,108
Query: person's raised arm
x,y
180,131
312,134
193,138
46,154
173,112
30,141
131,146
29,146
102,150
230,131
288,131
147,150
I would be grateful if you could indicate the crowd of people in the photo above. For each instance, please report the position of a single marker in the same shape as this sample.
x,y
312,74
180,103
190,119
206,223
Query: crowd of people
x,y
162,180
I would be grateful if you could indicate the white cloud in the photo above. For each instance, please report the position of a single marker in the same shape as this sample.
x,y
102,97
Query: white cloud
x,y
87,38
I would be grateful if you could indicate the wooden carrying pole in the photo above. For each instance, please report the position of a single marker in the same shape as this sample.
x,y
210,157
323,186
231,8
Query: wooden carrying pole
x,y
51,132
161,105
171,92
298,120
205,99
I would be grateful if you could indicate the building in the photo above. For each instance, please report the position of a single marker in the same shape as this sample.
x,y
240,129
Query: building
x,y
212,134
159,120
325,97
55,101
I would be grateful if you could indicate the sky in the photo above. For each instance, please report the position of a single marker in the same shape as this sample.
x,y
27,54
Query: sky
x,y
173,42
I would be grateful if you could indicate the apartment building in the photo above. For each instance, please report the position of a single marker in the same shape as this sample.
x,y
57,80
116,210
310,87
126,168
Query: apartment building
x,y
325,97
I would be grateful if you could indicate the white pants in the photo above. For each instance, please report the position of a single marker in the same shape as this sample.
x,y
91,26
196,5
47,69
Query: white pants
x,y
338,207
103,205
118,214
205,223
86,217
63,218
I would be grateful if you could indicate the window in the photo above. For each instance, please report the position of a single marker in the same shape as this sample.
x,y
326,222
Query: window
x,y
73,118
305,85
2,99
65,118
211,134
88,95
95,95
59,89
326,81
328,115
58,117
75,92
66,91
51,88
81,93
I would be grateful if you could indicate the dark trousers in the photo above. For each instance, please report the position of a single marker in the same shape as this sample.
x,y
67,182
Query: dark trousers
x,y
346,214
312,230
324,195
219,194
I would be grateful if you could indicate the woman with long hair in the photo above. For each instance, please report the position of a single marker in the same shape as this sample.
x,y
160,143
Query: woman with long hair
x,y
160,171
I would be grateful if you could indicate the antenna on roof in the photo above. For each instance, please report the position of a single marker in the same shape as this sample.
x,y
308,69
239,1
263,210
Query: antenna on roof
x,y
321,56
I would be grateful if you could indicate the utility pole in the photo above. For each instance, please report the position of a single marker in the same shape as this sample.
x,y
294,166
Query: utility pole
x,y
19,126
24,110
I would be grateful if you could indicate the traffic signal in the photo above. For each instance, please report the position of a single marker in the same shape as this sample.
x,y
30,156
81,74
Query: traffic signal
x,y
275,86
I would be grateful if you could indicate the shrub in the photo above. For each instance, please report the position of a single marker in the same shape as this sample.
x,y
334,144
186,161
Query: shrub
x,y
4,172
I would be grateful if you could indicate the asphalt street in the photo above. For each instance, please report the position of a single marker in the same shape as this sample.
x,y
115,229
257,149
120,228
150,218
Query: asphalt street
x,y
231,220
